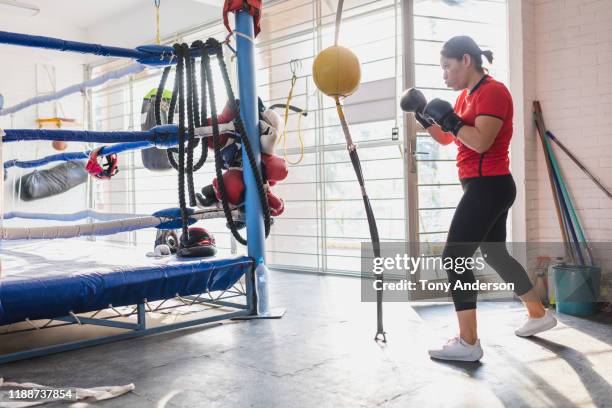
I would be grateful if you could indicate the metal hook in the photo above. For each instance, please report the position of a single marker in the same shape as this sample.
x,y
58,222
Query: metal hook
x,y
228,44
295,64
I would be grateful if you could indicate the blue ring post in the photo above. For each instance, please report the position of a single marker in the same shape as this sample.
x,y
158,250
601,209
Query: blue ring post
x,y
249,113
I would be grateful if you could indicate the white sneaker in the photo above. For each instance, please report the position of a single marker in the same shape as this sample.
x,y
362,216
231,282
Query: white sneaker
x,y
535,325
459,350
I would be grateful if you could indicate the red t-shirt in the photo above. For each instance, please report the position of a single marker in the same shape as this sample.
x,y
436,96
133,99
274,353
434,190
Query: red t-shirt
x,y
492,98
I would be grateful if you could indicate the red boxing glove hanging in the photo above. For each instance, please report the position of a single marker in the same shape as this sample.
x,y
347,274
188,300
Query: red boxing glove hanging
x,y
234,186
276,204
275,167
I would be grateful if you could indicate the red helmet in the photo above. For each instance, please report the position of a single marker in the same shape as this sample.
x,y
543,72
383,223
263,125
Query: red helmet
x,y
104,171
200,243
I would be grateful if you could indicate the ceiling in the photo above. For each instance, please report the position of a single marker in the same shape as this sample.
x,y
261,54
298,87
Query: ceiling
x,y
86,14
122,23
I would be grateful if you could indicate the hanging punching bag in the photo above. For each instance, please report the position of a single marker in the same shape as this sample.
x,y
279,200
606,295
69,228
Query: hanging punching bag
x,y
153,158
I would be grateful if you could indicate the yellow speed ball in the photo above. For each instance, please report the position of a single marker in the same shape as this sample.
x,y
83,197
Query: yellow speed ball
x,y
336,71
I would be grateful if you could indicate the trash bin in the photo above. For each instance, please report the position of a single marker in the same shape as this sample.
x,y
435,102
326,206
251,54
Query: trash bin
x,y
577,289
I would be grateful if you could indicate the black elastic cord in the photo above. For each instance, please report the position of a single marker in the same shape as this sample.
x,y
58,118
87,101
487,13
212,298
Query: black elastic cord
x,y
159,95
291,108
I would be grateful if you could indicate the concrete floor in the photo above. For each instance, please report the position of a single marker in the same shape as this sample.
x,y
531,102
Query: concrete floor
x,y
321,354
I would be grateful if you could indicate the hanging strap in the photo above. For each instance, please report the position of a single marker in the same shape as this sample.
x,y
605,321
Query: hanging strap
x,y
352,149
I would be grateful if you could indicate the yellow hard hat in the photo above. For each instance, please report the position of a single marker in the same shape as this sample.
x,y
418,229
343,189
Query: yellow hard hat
x,y
336,71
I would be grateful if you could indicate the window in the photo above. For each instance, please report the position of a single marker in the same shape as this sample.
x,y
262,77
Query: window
x,y
324,221
435,22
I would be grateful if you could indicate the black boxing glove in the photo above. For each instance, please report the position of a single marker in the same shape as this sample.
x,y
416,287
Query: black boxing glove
x,y
414,101
443,114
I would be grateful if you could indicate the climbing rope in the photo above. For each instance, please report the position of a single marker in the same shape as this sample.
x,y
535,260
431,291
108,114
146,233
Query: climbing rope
x,y
193,114
216,49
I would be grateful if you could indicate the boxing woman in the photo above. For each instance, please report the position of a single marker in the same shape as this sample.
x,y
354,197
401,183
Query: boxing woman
x,y
480,124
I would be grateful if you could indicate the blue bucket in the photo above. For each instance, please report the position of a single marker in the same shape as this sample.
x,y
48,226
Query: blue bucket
x,y
577,289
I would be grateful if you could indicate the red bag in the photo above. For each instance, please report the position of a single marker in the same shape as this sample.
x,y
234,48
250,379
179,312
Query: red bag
x,y
252,6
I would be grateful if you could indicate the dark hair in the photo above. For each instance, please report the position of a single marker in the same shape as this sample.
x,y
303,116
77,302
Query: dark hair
x,y
460,45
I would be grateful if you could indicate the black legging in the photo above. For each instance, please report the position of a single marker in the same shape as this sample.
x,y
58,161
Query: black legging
x,y
480,220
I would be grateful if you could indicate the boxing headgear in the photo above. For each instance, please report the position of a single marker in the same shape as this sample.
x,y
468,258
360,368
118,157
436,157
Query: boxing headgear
x,y
104,171
199,243
169,238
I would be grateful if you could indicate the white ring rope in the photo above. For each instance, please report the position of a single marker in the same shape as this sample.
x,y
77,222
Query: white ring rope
x,y
100,228
82,87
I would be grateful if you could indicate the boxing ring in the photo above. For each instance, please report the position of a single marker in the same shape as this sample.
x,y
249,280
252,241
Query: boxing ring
x,y
48,281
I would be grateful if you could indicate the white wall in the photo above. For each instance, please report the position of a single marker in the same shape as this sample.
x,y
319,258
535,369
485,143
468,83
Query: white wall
x,y
17,71
563,60
574,85
519,74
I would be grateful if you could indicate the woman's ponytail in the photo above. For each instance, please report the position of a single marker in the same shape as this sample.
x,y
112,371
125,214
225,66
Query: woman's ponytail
x,y
488,55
